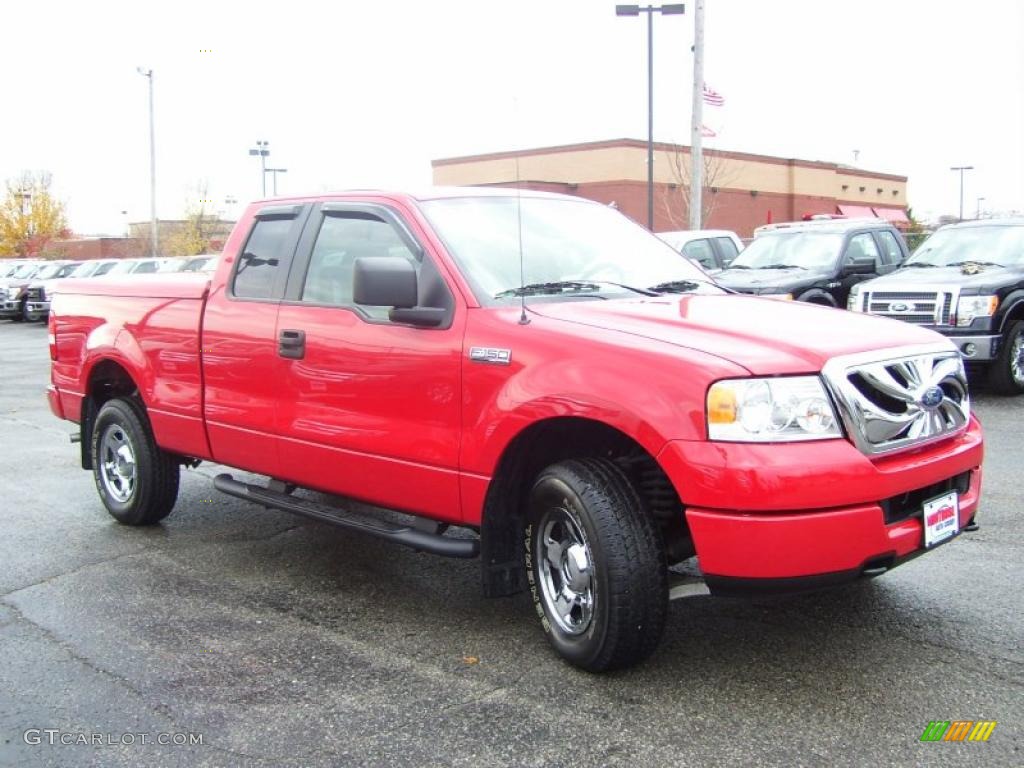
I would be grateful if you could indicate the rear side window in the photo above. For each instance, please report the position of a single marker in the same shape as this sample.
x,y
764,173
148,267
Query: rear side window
x,y
728,249
104,268
891,253
264,261
146,267
701,252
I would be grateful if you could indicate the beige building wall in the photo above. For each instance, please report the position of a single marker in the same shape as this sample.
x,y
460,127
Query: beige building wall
x,y
627,161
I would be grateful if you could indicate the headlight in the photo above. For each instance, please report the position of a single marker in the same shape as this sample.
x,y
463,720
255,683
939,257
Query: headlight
x,y
782,296
853,301
970,307
770,410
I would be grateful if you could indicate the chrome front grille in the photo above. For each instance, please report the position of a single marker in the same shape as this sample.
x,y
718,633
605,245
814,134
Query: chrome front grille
x,y
36,293
925,307
900,398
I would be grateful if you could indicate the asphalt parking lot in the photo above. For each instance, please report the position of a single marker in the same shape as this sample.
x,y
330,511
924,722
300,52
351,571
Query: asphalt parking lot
x,y
285,642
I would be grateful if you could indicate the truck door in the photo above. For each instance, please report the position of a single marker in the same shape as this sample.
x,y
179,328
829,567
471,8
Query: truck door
x,y
368,408
241,367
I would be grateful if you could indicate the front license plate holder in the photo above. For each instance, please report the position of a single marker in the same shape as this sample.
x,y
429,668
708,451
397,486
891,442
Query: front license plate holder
x,y
941,519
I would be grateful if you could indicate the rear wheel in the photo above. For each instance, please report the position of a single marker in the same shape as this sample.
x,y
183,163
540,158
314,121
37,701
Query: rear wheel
x,y
596,565
1006,375
136,480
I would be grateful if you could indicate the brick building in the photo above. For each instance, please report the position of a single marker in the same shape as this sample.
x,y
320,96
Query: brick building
x,y
742,190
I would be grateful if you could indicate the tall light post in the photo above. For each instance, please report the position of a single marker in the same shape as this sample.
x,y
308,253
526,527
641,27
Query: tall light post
x,y
697,120
148,74
275,171
650,10
962,168
261,151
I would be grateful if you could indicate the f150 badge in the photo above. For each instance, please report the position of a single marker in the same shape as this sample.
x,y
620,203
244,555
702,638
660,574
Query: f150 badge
x,y
491,355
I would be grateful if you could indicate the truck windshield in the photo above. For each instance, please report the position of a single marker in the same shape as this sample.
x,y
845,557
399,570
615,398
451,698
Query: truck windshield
x,y
806,250
996,245
51,271
569,248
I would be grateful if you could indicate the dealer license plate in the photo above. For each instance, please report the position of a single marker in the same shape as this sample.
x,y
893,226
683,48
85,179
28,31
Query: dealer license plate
x,y
941,519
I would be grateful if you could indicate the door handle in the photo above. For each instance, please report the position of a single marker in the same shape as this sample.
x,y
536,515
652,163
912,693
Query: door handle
x,y
291,343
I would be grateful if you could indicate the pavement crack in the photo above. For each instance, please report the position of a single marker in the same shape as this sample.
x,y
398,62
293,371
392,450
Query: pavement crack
x,y
72,572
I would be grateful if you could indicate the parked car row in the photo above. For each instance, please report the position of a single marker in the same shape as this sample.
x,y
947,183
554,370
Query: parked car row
x,y
965,280
26,285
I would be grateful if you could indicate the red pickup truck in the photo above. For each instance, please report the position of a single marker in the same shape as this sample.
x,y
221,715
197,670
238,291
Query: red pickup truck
x,y
541,373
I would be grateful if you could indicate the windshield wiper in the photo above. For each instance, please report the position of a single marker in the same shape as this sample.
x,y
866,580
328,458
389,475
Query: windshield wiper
x,y
685,286
567,286
782,266
975,261
921,264
737,266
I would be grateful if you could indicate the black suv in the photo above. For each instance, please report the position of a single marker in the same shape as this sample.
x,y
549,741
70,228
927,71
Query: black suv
x,y
965,281
815,261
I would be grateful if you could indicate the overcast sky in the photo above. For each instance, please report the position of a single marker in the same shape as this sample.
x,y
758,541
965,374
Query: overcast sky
x,y
355,94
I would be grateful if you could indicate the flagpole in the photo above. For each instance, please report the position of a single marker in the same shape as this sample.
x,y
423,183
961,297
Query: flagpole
x,y
697,118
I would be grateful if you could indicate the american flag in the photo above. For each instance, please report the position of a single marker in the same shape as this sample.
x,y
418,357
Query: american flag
x,y
706,132
713,98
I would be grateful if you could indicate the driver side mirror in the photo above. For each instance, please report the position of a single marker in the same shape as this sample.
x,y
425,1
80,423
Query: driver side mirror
x,y
390,281
862,265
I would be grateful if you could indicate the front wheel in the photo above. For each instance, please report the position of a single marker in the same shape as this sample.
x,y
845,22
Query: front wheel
x,y
596,565
136,480
1006,376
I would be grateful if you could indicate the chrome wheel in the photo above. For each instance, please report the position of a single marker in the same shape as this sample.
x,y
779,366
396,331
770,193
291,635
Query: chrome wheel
x,y
566,571
1017,359
117,464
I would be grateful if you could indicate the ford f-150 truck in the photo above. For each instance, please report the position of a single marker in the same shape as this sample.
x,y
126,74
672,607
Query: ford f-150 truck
x,y
542,374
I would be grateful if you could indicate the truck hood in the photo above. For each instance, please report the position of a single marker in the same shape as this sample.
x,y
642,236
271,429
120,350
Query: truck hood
x,y
765,336
974,279
768,280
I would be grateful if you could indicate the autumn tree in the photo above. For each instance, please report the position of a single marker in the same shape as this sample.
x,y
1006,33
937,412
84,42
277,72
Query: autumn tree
x,y
30,216
200,226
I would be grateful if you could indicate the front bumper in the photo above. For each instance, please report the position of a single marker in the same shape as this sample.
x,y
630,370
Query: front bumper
x,y
980,349
803,515
10,308
37,308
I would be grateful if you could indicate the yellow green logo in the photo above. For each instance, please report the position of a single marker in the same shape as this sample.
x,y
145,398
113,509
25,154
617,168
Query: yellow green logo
x,y
958,730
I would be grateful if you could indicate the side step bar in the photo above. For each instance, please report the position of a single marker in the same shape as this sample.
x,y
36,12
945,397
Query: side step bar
x,y
434,543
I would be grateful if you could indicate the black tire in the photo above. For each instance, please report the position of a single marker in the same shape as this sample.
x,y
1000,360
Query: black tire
x,y
1000,374
28,317
153,489
628,581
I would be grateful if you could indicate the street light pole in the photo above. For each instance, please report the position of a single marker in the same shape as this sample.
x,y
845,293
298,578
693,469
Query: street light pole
x,y
962,168
148,74
262,150
275,171
650,10
697,120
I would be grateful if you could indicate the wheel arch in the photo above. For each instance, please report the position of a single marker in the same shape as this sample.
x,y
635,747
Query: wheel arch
x,y
1014,312
817,296
541,444
106,379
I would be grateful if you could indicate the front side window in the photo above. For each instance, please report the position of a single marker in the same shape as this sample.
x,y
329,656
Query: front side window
x,y
263,260
563,247
343,239
891,253
146,268
860,246
701,252
728,249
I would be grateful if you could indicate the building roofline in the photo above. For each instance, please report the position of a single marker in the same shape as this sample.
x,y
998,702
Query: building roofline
x,y
665,147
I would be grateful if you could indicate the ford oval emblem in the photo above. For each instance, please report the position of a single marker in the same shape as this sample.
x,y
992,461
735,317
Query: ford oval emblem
x,y
932,397
898,307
